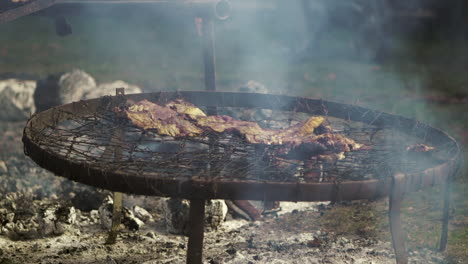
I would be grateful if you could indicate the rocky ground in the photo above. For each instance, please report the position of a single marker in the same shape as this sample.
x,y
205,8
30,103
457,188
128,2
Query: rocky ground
x,y
47,219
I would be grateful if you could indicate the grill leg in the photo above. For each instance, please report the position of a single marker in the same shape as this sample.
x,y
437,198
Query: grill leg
x,y
197,221
116,216
445,218
398,237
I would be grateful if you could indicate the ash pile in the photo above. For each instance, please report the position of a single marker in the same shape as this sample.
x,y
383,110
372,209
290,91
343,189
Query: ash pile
x,y
49,219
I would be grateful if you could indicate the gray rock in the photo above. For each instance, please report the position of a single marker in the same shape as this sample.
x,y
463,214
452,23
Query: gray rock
x,y
104,89
55,219
105,212
129,220
74,85
110,260
216,211
175,213
151,234
142,214
62,88
254,87
16,99
94,216
3,168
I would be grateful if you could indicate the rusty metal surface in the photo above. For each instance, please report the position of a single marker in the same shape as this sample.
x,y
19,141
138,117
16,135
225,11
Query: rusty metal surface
x,y
195,242
398,236
219,9
24,10
199,187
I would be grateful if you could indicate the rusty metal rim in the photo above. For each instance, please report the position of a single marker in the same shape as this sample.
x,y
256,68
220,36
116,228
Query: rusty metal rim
x,y
205,189
25,10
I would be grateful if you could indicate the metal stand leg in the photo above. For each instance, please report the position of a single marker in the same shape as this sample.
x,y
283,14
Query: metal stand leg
x,y
116,151
398,237
116,216
197,223
445,217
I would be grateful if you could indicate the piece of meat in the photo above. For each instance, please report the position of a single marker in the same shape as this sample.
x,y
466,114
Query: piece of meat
x,y
183,107
164,120
417,148
302,140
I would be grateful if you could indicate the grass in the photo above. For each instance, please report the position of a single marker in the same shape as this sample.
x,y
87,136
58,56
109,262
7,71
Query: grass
x,y
164,52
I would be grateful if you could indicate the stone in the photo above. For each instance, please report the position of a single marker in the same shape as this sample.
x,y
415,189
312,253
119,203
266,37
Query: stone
x,y
55,219
151,234
253,87
142,214
62,88
129,220
87,198
16,99
175,213
94,216
74,85
216,211
3,168
108,88
110,260
105,213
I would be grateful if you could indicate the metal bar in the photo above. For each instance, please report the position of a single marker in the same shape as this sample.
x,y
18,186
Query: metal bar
x,y
197,221
446,210
116,218
398,237
209,53
118,197
207,30
25,10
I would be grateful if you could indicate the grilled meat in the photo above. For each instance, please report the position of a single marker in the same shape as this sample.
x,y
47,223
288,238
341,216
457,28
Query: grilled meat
x,y
166,121
179,119
183,107
419,148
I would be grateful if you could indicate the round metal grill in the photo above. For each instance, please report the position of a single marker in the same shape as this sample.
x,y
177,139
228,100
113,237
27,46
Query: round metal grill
x,y
112,153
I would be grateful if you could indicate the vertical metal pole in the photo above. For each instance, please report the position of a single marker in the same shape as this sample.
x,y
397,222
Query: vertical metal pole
x,y
398,237
116,216
209,53
445,217
197,224
117,153
197,206
445,214
207,31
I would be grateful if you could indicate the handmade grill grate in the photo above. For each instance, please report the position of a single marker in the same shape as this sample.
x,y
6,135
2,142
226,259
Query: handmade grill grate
x,y
87,139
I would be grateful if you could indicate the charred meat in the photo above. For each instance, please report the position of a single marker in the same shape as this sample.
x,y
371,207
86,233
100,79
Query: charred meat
x,y
181,119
